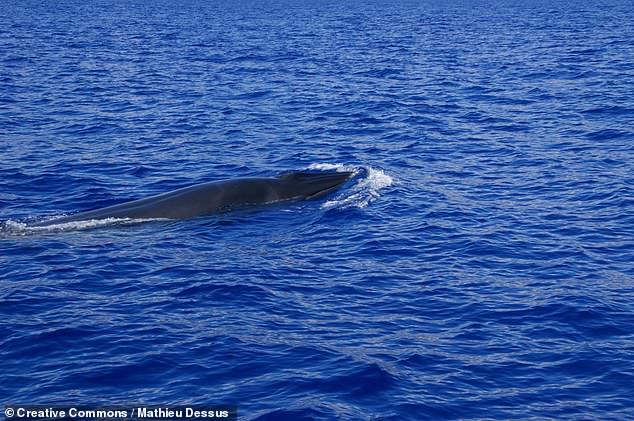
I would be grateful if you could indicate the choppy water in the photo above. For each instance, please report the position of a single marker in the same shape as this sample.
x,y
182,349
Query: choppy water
x,y
480,266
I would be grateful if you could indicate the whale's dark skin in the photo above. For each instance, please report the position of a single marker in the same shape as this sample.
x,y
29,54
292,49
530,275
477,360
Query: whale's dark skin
x,y
208,198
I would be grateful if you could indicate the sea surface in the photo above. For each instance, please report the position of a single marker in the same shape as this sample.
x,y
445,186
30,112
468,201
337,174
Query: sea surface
x,y
480,264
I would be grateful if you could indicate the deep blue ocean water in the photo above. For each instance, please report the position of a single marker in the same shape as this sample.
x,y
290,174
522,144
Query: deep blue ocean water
x,y
479,266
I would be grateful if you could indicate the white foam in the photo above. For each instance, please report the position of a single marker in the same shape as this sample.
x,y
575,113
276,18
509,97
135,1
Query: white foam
x,y
79,225
366,189
15,227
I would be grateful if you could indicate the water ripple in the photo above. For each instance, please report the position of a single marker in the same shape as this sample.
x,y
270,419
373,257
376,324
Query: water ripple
x,y
478,267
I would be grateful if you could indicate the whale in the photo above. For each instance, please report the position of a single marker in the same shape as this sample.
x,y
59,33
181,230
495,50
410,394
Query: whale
x,y
217,196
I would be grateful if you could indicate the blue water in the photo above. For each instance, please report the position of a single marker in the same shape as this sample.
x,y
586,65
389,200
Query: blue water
x,y
479,266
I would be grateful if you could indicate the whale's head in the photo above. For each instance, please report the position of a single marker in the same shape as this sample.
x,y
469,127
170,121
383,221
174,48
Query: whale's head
x,y
311,185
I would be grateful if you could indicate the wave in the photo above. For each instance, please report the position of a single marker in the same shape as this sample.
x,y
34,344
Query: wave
x,y
369,183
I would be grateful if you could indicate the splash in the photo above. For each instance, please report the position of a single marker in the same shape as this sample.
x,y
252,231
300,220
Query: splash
x,y
369,183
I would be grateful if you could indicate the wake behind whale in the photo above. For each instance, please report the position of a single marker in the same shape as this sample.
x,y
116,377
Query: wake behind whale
x,y
209,198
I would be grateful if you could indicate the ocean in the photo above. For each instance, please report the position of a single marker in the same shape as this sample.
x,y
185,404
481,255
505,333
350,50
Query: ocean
x,y
479,265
